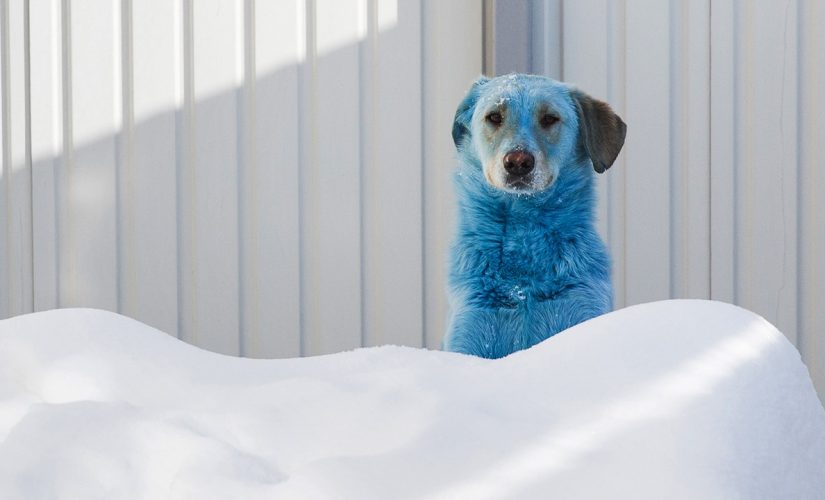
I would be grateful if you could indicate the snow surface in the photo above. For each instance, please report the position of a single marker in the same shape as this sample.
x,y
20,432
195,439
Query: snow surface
x,y
676,399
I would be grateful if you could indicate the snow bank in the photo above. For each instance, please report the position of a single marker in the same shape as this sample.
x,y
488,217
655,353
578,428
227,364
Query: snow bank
x,y
677,399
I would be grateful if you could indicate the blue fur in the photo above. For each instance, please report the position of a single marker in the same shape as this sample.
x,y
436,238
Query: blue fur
x,y
523,267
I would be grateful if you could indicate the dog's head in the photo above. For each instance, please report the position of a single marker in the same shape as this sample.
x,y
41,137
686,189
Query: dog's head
x,y
523,129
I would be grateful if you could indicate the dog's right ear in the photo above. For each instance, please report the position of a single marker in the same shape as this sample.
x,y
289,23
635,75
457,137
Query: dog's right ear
x,y
464,113
601,130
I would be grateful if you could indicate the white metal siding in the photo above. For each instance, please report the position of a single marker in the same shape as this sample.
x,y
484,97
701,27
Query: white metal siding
x,y
273,178
718,192
259,178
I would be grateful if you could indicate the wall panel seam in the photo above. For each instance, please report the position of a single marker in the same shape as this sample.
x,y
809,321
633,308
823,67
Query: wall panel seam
x,y
305,96
29,162
65,273
247,164
125,159
422,163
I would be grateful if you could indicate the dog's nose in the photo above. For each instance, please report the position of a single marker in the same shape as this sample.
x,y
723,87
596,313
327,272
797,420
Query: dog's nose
x,y
519,162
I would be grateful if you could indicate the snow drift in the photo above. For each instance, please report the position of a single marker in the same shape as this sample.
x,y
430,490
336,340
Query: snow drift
x,y
676,399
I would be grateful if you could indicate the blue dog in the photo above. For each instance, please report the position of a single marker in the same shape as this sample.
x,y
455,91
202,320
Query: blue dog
x,y
527,262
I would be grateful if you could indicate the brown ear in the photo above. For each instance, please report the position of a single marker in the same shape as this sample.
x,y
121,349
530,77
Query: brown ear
x,y
601,130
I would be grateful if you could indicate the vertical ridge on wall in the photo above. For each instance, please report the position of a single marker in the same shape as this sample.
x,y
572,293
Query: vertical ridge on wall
x,y
743,154
676,149
422,168
5,167
646,151
65,277
617,194
332,319
602,74
447,76
811,205
270,229
125,161
391,175
696,171
217,80
91,178
786,296
723,158
766,221
613,194
690,168
45,19
247,163
602,87
547,45
590,73
368,46
148,189
743,66
184,162
306,46
27,231
15,162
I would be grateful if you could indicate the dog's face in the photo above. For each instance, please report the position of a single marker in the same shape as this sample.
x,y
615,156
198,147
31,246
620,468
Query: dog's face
x,y
523,129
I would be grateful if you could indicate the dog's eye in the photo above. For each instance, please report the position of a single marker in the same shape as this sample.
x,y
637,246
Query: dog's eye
x,y
548,120
494,118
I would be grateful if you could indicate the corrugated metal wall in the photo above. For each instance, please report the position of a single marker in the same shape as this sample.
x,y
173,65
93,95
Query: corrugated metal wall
x,y
260,178
272,178
718,192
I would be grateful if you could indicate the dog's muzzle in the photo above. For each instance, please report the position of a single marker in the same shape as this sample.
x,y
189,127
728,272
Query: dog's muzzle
x,y
519,164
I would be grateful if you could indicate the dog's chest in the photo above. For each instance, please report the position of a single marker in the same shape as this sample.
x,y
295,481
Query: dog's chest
x,y
528,251
524,263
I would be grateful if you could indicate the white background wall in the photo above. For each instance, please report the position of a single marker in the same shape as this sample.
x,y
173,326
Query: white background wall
x,y
718,192
272,178
258,178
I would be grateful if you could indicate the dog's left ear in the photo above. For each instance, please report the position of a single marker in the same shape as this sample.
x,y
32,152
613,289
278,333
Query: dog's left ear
x,y
464,113
601,130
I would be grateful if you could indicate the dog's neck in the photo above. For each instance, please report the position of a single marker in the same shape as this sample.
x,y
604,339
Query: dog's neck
x,y
566,206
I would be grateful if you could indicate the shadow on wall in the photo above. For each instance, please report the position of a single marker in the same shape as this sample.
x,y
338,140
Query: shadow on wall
x,y
278,217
